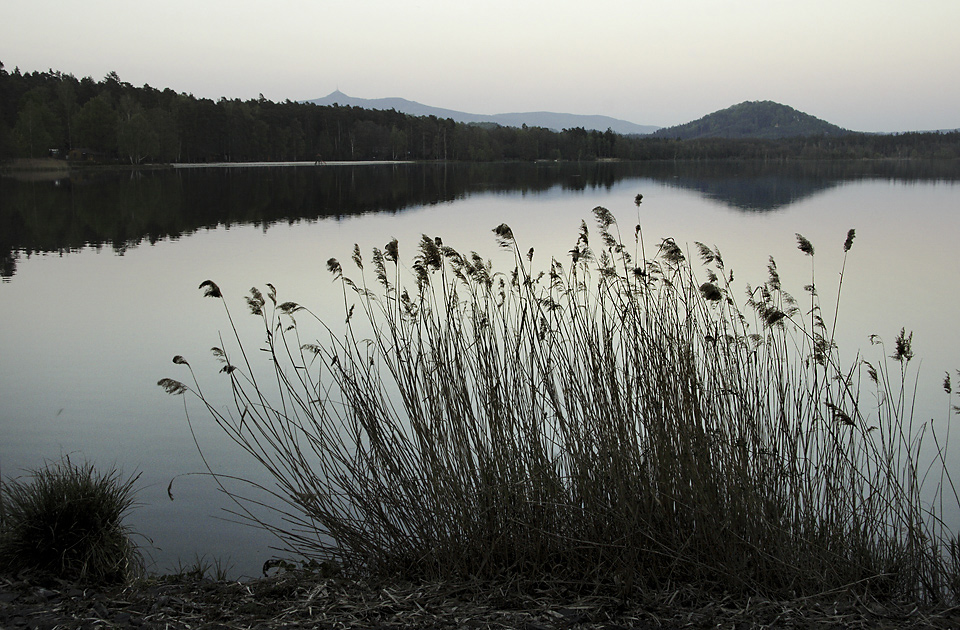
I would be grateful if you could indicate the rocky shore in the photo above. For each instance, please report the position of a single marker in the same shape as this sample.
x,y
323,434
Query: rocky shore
x,y
296,600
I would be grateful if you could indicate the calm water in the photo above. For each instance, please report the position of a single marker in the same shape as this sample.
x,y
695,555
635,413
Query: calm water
x,y
100,278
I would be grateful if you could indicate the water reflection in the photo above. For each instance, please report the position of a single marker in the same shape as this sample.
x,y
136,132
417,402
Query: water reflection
x,y
87,336
122,209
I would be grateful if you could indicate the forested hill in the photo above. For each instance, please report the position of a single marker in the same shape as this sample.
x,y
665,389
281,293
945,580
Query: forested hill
x,y
753,119
113,122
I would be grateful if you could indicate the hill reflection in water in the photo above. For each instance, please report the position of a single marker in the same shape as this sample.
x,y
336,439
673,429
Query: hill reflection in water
x,y
122,209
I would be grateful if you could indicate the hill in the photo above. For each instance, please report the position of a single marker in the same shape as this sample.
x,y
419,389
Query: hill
x,y
753,119
547,120
164,126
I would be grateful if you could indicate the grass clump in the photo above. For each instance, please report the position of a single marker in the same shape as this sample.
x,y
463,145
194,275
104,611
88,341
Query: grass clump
x,y
65,521
202,568
611,422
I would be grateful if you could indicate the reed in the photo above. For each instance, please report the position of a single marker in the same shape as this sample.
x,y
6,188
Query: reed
x,y
609,421
65,522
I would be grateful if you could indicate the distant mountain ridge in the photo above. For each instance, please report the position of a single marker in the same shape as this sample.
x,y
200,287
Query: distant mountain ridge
x,y
753,119
548,120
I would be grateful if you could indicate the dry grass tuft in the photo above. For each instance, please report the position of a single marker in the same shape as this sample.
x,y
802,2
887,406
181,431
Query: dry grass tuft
x,y
66,523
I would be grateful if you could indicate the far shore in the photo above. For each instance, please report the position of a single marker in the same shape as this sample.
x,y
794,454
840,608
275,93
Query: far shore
x,y
54,164
53,169
35,164
301,163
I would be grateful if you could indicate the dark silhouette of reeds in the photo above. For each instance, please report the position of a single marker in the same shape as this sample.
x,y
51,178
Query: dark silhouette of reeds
x,y
608,421
65,522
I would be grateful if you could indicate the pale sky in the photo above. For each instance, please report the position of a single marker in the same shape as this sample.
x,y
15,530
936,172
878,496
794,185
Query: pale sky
x,y
866,65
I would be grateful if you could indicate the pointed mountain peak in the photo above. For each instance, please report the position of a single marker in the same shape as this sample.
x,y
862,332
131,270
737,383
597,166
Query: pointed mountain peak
x,y
549,120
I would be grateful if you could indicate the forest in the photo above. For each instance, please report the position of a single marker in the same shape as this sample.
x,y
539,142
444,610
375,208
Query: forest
x,y
50,113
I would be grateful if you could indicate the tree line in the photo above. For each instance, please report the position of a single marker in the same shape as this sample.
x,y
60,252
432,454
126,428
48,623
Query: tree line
x,y
44,113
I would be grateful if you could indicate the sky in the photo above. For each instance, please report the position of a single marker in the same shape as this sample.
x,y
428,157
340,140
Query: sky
x,y
865,65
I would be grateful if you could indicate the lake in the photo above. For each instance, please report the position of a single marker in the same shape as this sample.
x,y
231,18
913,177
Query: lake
x,y
100,276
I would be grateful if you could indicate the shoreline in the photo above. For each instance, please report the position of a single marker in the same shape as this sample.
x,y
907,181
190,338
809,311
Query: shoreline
x,y
294,163
20,165
304,599
53,169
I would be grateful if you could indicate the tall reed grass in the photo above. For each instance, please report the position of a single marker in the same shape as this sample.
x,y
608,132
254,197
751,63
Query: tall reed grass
x,y
612,421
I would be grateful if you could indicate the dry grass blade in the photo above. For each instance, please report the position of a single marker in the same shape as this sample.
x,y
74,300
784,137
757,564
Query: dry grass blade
x,y
300,599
